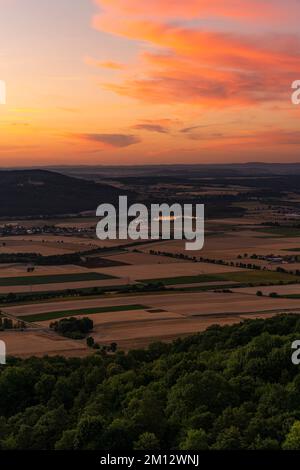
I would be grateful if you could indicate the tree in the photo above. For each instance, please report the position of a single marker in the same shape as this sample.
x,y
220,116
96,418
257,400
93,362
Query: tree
x,y
147,441
229,439
90,341
292,440
89,434
113,347
195,440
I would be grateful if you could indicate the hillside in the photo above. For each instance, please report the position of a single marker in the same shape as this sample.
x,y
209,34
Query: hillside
x,y
232,387
42,192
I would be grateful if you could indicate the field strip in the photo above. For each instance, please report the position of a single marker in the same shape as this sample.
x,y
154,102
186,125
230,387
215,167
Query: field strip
x,y
237,314
53,279
83,311
252,276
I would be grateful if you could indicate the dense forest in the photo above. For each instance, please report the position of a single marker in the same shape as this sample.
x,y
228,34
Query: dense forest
x,y
232,387
40,192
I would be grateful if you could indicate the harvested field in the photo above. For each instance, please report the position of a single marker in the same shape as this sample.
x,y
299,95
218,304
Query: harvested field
x,y
145,259
120,318
53,244
229,246
290,289
62,286
33,247
140,272
168,316
141,334
79,312
29,343
187,304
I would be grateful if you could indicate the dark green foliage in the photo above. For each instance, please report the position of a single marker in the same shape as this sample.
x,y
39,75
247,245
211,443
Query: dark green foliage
x,y
36,192
231,387
75,328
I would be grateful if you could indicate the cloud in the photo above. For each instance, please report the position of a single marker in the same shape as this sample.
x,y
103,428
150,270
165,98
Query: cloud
x,y
104,64
189,9
187,130
111,140
190,63
152,128
258,138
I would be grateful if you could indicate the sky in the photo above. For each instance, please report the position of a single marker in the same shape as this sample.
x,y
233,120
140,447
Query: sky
x,y
134,82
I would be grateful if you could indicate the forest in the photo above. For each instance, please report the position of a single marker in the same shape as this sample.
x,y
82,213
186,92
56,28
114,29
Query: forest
x,y
232,387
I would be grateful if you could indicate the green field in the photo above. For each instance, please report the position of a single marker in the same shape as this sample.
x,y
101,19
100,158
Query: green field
x,y
252,276
83,311
280,231
290,296
53,279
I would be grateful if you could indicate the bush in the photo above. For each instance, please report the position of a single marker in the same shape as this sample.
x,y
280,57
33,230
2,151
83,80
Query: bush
x,y
75,328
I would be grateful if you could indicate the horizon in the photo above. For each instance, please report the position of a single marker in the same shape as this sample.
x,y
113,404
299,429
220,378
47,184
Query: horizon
x,y
147,165
119,83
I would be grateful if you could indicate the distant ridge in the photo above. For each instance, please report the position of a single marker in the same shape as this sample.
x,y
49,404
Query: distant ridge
x,y
45,193
192,170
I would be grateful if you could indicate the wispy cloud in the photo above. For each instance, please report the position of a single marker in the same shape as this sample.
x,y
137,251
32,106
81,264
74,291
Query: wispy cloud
x,y
187,130
152,128
111,140
198,65
109,64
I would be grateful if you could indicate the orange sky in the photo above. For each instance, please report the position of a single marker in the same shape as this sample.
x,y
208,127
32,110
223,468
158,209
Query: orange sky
x,y
138,82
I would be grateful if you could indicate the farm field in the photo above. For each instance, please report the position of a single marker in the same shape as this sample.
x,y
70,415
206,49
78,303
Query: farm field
x,y
157,271
52,279
62,286
53,244
39,343
253,276
185,303
233,246
80,312
140,259
290,289
166,317
196,293
123,317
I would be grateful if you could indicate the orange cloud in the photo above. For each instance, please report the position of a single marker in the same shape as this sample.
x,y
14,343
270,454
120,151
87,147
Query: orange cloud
x,y
197,66
190,9
152,127
106,64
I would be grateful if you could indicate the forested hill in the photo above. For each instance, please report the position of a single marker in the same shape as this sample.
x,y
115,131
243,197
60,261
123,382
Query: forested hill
x,y
228,388
41,192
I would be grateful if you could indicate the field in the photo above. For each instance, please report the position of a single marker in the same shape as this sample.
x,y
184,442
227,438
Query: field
x,y
84,311
141,259
255,277
126,320
139,292
146,272
52,279
39,343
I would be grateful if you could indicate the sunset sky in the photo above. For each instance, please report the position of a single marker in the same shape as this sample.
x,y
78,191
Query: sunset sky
x,y
149,81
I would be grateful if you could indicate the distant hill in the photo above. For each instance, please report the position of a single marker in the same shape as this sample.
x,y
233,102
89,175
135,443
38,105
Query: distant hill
x,y
184,170
42,192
